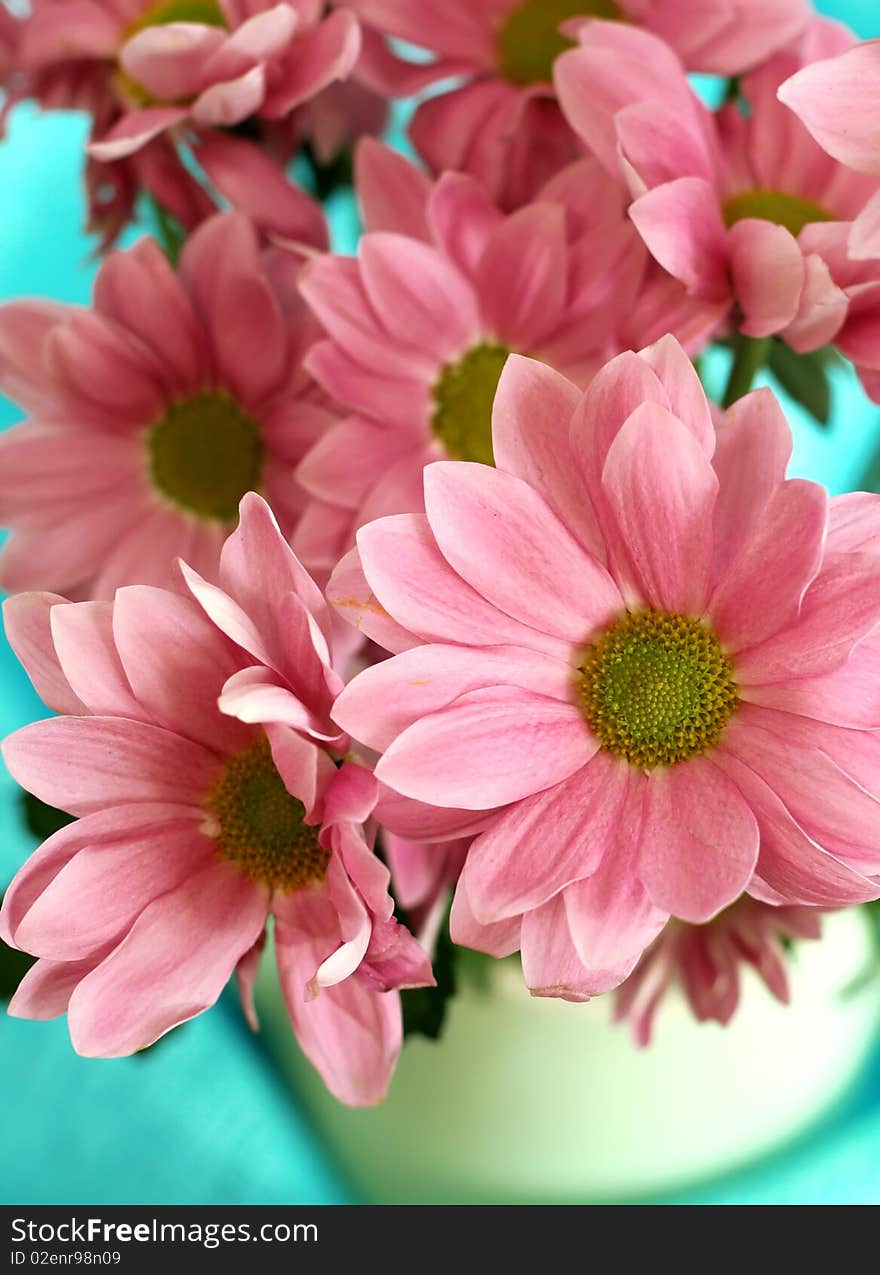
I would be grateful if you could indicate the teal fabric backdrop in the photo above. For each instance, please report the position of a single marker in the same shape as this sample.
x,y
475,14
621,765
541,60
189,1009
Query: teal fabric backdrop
x,y
203,1118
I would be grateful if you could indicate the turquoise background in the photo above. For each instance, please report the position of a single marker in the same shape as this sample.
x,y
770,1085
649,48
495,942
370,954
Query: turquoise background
x,y
204,1118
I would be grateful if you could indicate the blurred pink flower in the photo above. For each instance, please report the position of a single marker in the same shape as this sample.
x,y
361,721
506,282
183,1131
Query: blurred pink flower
x,y
213,62
639,666
150,415
443,288
141,69
502,123
723,200
195,747
706,961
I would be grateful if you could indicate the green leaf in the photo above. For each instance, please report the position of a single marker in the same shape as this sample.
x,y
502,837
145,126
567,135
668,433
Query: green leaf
x,y
40,819
424,1008
13,967
804,377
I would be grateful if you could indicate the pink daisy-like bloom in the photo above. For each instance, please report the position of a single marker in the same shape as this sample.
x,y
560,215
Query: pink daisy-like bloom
x,y
151,414
721,200
706,960
211,63
154,74
196,748
420,323
634,662
502,124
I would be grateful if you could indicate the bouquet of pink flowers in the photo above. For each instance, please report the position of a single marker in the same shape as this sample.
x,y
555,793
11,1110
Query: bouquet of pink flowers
x,y
426,594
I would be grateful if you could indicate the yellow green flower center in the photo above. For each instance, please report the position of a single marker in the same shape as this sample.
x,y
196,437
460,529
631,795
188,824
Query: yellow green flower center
x,y
529,41
463,398
206,12
204,454
790,211
656,688
260,826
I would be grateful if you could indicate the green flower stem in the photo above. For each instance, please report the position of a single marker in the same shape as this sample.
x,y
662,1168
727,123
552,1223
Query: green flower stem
x,y
749,356
168,231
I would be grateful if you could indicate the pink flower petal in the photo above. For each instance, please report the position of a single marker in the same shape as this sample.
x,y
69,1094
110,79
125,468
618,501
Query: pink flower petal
x,y
418,821
681,224
414,582
610,915
81,764
501,939
687,398
319,56
383,701
463,219
47,987
173,964
392,399
107,366
420,297
355,602
832,808
854,523
169,60
551,966
134,131
841,606
540,845
522,275
350,1033
763,589
838,99
26,619
392,192
822,309
662,491
96,897
83,637
226,104
176,663
850,696
490,747
768,275
502,538
334,290
261,36
615,66
751,457
791,863
530,424
700,841
140,290
254,184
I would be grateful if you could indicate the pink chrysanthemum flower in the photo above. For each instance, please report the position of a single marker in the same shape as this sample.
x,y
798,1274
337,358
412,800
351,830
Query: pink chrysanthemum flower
x,y
140,69
635,662
213,63
502,124
706,960
420,323
197,750
151,414
722,200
